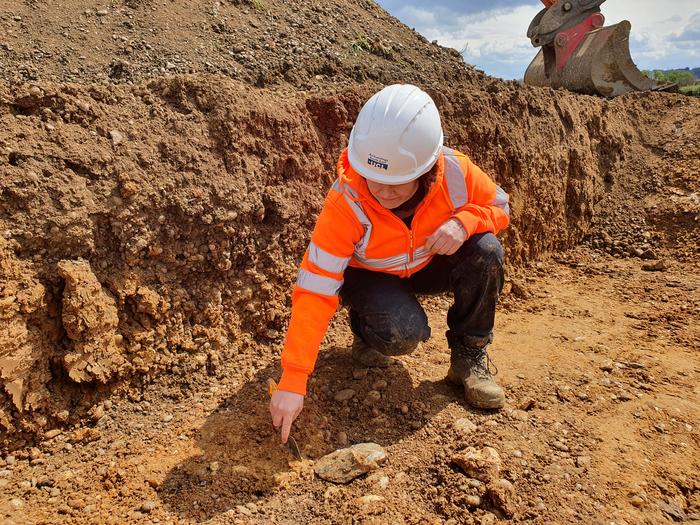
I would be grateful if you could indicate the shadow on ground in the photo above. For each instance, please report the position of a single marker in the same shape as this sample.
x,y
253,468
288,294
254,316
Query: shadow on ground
x,y
242,461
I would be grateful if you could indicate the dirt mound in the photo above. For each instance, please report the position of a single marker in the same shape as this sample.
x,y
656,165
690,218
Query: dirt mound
x,y
260,42
188,226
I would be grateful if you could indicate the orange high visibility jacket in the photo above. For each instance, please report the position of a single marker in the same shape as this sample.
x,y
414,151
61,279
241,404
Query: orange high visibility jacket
x,y
354,229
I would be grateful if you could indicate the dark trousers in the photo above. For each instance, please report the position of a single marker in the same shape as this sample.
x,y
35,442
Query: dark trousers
x,y
385,314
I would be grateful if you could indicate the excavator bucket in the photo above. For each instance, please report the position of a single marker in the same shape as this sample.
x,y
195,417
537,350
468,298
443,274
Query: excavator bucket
x,y
600,65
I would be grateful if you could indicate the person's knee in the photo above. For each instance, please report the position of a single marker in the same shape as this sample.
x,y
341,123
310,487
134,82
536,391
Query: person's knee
x,y
398,333
489,247
483,250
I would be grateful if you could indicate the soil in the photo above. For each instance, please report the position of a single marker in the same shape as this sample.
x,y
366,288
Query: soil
x,y
161,165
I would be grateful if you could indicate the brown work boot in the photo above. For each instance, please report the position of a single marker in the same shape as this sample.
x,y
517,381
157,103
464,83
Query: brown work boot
x,y
366,356
470,368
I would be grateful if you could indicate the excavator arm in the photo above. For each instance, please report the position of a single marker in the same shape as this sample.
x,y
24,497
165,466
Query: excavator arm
x,y
580,54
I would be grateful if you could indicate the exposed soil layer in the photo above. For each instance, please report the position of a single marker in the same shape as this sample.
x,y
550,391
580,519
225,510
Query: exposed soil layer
x,y
161,166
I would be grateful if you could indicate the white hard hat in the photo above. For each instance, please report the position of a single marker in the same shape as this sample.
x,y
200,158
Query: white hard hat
x,y
397,136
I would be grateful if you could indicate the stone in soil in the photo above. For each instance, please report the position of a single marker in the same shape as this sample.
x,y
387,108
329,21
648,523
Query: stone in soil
x,y
484,464
464,426
501,494
344,465
344,395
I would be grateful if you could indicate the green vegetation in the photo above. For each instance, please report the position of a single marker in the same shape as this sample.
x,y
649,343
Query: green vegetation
x,y
682,77
361,43
691,90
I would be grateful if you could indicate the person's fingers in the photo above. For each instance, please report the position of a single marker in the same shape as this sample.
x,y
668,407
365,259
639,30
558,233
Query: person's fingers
x,y
276,417
286,428
440,244
453,248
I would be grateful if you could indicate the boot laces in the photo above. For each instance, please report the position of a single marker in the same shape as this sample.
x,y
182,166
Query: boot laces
x,y
482,365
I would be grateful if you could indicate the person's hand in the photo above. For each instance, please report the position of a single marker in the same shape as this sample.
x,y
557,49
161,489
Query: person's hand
x,y
447,239
285,407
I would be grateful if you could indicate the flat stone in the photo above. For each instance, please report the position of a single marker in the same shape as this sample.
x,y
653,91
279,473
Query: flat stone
x,y
344,465
673,510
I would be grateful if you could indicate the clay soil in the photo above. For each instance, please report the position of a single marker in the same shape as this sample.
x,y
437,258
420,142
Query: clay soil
x,y
161,165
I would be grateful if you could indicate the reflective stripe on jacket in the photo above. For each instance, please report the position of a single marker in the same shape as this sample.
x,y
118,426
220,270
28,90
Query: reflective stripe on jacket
x,y
354,229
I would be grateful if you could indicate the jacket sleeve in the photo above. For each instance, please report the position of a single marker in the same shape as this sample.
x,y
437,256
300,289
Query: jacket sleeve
x,y
487,208
315,294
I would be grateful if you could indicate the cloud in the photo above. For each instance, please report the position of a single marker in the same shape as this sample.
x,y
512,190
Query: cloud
x,y
691,32
493,34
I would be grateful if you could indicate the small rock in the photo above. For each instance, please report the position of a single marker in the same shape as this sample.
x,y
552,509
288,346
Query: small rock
x,y
560,446
214,466
472,501
369,499
582,461
637,501
167,418
625,396
404,409
517,453
373,397
484,464
381,384
344,465
344,395
116,136
520,415
64,509
359,373
147,506
656,266
501,494
464,426
102,12
52,433
342,439
16,503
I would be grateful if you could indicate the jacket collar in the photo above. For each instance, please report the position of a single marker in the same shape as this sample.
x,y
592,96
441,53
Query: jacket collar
x,y
347,175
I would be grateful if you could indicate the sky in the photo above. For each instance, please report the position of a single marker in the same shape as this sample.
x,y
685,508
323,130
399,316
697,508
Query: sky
x,y
492,34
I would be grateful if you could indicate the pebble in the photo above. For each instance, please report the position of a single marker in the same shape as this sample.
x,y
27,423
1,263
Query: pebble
x,y
147,506
344,395
582,461
369,499
637,501
464,426
5,473
102,12
116,136
214,466
473,501
342,439
16,503
404,409
560,446
373,397
381,384
520,415
517,453
359,373
167,418
52,433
